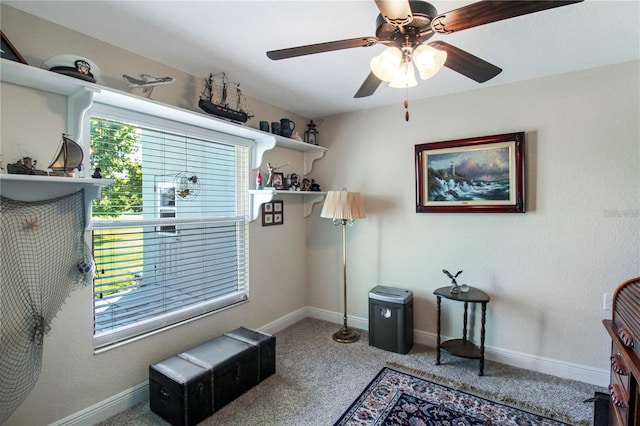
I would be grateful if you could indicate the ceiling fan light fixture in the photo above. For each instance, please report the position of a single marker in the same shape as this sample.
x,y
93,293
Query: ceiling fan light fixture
x,y
406,24
386,64
428,60
404,77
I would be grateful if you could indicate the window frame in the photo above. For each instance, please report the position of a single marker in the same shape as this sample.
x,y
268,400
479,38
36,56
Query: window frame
x,y
210,306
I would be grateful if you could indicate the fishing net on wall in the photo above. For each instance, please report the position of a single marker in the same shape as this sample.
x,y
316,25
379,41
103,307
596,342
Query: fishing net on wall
x,y
42,258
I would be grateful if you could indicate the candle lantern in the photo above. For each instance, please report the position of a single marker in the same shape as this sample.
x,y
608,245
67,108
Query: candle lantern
x,y
311,134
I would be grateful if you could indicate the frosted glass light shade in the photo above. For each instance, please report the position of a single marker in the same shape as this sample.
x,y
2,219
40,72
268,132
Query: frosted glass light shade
x,y
386,64
428,60
404,77
343,205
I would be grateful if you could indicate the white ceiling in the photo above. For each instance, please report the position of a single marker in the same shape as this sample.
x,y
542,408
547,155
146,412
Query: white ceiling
x,y
200,37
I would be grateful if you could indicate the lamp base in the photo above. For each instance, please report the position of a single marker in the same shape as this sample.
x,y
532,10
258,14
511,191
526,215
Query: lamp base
x,y
346,335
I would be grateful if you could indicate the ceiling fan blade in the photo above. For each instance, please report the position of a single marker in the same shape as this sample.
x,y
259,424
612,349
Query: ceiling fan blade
x,y
310,49
484,12
369,86
466,64
395,12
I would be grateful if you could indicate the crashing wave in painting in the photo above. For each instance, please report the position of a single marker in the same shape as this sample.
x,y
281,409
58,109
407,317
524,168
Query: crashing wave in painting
x,y
467,190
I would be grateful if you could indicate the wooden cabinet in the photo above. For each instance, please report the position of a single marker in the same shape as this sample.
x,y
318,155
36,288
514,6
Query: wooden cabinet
x,y
624,329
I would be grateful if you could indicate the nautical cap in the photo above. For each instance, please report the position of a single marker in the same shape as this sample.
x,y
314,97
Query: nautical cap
x,y
74,66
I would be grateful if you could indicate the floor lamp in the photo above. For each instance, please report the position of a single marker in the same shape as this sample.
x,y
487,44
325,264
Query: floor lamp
x,y
344,207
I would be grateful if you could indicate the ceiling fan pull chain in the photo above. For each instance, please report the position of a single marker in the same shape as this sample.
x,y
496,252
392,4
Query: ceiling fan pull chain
x,y
406,106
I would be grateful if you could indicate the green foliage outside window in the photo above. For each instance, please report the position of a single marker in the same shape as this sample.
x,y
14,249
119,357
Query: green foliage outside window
x,y
115,149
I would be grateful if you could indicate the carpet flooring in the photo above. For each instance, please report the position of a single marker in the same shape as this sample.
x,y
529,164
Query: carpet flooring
x,y
316,381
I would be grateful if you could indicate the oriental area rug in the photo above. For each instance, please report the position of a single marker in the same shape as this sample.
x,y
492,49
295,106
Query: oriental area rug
x,y
397,398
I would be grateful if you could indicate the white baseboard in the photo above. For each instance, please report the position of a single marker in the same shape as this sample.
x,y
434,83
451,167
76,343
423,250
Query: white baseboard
x,y
107,408
566,370
140,393
285,321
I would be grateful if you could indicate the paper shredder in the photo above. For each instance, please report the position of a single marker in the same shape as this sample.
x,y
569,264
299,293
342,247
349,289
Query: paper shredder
x,y
391,319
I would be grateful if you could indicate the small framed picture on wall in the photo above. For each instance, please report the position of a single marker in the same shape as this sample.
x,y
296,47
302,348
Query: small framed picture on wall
x,y
273,213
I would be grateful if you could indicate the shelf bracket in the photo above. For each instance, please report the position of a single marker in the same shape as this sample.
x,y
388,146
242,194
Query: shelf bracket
x,y
257,198
310,200
309,158
78,104
260,196
262,145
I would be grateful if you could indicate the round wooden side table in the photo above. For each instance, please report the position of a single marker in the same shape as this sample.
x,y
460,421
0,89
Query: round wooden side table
x,y
462,347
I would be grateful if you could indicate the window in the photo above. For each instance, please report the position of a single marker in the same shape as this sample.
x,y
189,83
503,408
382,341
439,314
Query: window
x,y
167,205
170,236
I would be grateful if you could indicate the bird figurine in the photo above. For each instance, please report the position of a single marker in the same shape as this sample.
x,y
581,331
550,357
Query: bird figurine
x,y
454,284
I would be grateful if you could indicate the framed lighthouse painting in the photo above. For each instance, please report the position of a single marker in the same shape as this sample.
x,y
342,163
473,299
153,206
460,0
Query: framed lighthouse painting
x,y
474,175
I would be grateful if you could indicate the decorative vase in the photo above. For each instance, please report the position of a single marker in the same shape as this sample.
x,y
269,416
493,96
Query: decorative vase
x,y
259,180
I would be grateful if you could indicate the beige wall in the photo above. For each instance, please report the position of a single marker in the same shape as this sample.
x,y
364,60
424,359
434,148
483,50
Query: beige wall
x,y
73,377
546,270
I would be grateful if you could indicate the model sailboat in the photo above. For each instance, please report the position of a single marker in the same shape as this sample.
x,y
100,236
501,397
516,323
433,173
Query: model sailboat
x,y
69,158
224,98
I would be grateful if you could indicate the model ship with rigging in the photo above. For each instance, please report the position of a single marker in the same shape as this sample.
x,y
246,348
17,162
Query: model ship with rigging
x,y
224,98
69,158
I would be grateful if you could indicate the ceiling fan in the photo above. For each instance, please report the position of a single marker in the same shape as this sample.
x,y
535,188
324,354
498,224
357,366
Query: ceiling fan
x,y
405,25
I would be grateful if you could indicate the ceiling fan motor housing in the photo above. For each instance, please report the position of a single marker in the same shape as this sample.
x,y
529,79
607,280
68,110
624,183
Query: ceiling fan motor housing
x,y
418,30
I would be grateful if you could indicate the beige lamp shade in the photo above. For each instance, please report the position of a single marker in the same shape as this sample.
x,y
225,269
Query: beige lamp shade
x,y
343,205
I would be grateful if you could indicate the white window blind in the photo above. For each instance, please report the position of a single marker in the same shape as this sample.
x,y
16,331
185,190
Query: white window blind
x,y
170,236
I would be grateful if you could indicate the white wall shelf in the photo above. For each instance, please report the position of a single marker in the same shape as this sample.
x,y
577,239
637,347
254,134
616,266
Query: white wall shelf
x,y
37,188
81,95
261,196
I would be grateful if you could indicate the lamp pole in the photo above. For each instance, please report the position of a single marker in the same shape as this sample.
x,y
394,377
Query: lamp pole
x,y
345,335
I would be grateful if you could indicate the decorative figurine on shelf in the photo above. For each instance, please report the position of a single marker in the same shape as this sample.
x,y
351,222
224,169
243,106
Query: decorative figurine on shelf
x,y
311,134
315,187
97,174
259,180
68,158
146,82
454,284
293,180
306,184
25,166
272,169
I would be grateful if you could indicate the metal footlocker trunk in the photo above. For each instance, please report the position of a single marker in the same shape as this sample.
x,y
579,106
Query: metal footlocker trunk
x,y
180,391
233,364
266,344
